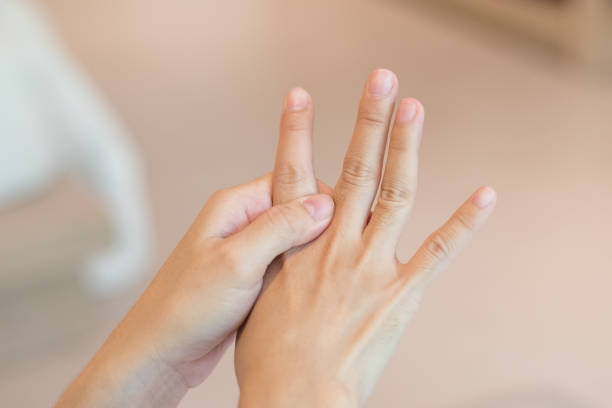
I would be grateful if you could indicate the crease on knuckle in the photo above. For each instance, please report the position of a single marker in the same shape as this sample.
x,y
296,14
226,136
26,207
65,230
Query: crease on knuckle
x,y
296,122
357,172
370,119
464,221
439,246
400,144
290,174
394,195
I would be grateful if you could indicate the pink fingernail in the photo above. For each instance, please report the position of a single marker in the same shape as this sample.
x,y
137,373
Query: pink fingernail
x,y
484,197
320,206
296,100
406,111
380,82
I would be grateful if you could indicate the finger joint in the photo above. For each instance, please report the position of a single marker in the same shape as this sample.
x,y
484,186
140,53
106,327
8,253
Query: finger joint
x,y
439,246
296,122
289,174
371,120
358,172
392,195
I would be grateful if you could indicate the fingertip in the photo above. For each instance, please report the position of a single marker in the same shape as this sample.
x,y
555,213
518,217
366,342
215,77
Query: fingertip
x,y
297,99
409,110
381,82
293,172
320,206
406,111
484,197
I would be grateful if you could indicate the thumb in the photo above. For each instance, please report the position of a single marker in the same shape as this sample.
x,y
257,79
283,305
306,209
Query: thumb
x,y
283,227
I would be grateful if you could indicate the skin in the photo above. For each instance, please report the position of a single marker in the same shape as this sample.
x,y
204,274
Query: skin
x,y
345,297
331,297
179,328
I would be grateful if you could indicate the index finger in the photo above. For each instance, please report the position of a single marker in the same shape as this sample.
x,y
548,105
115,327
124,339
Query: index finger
x,y
293,172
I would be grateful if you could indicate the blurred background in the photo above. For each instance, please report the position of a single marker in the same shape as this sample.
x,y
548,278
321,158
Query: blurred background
x,y
120,118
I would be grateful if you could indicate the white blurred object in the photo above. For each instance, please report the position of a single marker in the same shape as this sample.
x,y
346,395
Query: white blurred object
x,y
52,122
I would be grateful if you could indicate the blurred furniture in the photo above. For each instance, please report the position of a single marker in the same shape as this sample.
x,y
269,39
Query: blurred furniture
x,y
581,29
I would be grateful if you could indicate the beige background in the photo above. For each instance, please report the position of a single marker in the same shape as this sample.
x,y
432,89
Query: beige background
x,y
523,318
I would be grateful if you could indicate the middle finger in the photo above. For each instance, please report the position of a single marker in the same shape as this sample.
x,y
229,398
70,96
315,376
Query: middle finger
x,y
361,171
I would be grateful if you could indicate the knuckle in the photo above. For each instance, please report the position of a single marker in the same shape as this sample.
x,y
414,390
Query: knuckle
x,y
439,246
290,174
371,119
296,122
394,195
464,221
357,172
221,196
400,144
229,257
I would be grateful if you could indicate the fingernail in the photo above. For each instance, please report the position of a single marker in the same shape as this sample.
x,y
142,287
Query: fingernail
x,y
380,82
406,111
484,197
296,100
320,206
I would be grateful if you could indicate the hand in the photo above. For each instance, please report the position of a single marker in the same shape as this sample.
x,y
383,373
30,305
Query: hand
x,y
177,331
327,322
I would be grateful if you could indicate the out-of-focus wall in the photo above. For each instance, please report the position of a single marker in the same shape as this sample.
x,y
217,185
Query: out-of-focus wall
x,y
523,317
580,30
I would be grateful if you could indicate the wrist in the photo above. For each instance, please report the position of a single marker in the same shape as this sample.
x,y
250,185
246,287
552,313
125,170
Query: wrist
x,y
125,372
294,395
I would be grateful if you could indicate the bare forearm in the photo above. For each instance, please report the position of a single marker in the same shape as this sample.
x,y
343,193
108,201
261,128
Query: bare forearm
x,y
122,374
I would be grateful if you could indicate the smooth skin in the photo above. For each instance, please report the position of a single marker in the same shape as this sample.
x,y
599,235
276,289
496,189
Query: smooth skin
x,y
327,322
328,312
179,328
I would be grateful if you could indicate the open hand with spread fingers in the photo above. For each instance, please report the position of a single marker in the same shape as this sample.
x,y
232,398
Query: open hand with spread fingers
x,y
330,315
